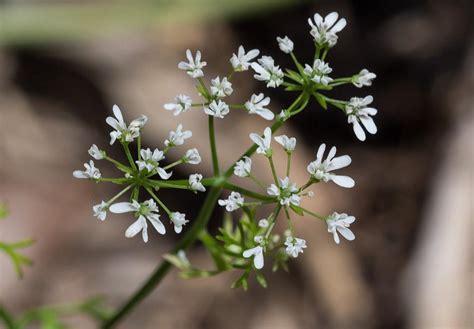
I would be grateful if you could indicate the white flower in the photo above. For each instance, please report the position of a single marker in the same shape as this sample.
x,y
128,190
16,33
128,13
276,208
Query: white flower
x,y
221,88
286,192
257,254
195,183
146,210
263,143
233,202
217,109
96,153
122,132
243,167
178,220
285,44
182,104
294,246
150,161
91,172
284,115
178,137
181,254
364,78
263,223
324,31
193,66
242,60
267,71
357,111
288,143
100,210
340,223
192,156
256,105
321,170
319,72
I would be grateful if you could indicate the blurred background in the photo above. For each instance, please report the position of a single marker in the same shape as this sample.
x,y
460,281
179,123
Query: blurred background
x,y
63,64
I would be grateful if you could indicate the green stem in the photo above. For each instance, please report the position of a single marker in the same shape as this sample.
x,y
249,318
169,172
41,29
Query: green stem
x,y
139,147
162,205
129,156
118,164
248,193
256,181
171,165
212,141
272,165
7,319
118,195
309,212
288,165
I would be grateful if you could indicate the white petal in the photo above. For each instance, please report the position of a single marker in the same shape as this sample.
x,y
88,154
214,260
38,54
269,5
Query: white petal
x,y
339,25
266,114
163,174
258,261
79,174
336,237
340,162
157,224
135,228
319,155
122,207
343,181
117,113
359,132
347,233
369,124
249,252
178,229
331,18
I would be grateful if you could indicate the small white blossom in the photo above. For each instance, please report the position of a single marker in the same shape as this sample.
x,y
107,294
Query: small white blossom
x,y
181,254
150,161
264,142
221,88
100,210
267,71
257,254
257,105
195,183
263,223
339,223
322,170
178,137
258,239
182,103
178,220
364,78
285,44
96,153
192,156
91,172
242,60
284,115
357,111
294,246
144,211
217,109
286,192
288,143
233,202
318,72
194,65
122,132
324,31
243,167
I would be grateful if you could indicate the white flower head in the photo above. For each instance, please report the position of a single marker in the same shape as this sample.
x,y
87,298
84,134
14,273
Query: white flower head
x,y
91,172
324,31
150,162
257,105
217,109
319,72
100,210
147,210
263,223
96,153
178,220
182,103
267,71
195,183
122,132
364,78
242,60
288,143
194,65
285,44
322,170
294,246
257,254
286,192
221,88
192,157
178,137
264,142
243,167
339,223
358,112
233,202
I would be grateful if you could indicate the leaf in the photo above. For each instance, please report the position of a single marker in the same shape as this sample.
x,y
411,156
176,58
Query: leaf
x,y
242,281
297,209
261,279
215,250
321,100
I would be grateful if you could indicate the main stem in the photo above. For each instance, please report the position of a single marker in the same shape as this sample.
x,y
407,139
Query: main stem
x,y
212,141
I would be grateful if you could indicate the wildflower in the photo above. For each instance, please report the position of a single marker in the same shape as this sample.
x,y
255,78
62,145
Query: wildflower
x,y
122,132
339,223
182,103
294,246
319,72
285,192
96,153
257,254
233,202
193,66
178,220
178,137
243,167
100,210
285,44
192,156
221,88
324,31
195,183
256,105
321,170
242,60
288,143
91,172
267,71
217,109
150,161
263,143
263,223
357,111
364,78
147,210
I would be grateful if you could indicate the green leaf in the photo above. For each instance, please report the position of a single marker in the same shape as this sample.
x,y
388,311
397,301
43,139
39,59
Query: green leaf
x,y
297,209
321,100
215,250
242,281
261,279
